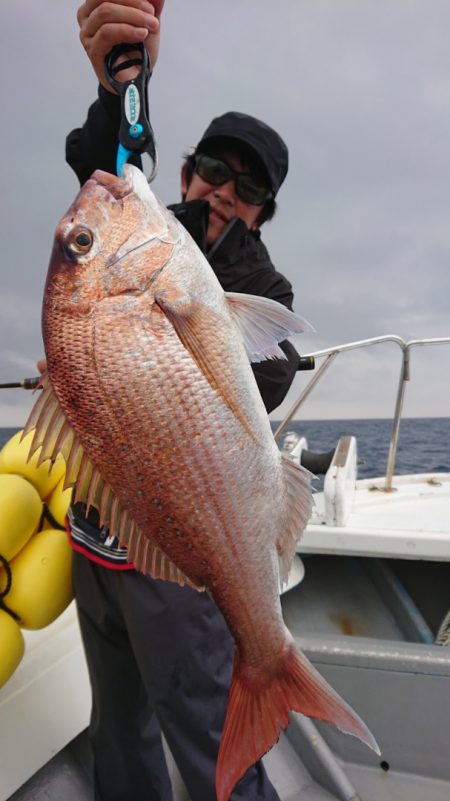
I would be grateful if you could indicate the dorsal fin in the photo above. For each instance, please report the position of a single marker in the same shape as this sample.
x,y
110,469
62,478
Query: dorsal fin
x,y
53,433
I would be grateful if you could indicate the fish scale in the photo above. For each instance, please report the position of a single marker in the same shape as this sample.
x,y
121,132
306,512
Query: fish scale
x,y
164,430
203,464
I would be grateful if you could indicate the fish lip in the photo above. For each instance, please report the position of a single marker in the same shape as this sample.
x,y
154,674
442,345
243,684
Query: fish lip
x,y
118,188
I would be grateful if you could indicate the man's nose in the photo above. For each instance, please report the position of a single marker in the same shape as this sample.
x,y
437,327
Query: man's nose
x,y
226,191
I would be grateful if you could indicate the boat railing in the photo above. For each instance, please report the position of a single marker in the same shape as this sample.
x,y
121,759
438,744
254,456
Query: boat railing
x,y
330,354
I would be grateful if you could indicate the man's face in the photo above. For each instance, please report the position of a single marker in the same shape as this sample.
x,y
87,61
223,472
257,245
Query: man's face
x,y
224,202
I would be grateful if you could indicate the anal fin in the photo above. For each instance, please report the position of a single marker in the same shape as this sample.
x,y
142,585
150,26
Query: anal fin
x,y
298,506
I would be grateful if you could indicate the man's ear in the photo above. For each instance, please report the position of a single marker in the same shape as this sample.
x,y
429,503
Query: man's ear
x,y
184,181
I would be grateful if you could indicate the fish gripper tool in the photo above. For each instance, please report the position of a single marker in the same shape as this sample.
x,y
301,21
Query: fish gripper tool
x,y
135,132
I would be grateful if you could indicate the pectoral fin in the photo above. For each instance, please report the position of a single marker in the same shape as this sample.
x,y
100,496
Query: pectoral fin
x,y
263,323
202,332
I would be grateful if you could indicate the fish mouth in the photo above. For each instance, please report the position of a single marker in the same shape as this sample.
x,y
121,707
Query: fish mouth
x,y
117,187
131,181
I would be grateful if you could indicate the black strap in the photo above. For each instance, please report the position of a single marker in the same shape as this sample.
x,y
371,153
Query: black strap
x,y
47,515
7,569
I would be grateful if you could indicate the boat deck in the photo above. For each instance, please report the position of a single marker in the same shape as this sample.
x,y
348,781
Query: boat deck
x,y
392,524
44,749
67,776
353,627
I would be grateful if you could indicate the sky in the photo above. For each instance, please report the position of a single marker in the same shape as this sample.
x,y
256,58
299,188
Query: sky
x,y
359,90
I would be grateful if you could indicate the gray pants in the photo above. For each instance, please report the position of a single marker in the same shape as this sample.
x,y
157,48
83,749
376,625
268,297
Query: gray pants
x,y
159,659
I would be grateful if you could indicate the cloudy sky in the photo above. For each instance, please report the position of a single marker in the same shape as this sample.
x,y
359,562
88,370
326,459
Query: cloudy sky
x,y
360,91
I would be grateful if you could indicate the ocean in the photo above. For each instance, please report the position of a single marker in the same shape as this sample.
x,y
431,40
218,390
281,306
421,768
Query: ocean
x,y
423,445
424,442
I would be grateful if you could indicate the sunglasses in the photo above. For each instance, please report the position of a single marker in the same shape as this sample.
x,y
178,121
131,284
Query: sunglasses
x,y
217,172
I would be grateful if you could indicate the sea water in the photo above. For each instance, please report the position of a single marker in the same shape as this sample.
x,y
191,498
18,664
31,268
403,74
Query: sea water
x,y
423,447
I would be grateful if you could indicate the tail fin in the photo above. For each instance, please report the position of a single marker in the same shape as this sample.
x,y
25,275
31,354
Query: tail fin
x,y
258,709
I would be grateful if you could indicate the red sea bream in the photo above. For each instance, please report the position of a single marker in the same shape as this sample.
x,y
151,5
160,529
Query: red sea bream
x,y
150,396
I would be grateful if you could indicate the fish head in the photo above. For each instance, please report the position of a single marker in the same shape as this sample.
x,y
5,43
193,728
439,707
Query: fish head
x,y
113,239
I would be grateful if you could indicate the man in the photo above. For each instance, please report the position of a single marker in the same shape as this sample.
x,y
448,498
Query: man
x,y
160,655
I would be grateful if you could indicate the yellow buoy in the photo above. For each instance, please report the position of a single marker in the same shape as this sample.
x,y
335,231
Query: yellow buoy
x,y
14,459
12,646
58,504
20,513
41,586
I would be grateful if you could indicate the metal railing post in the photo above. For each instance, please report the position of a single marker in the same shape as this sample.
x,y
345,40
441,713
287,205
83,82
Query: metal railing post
x,y
392,455
303,395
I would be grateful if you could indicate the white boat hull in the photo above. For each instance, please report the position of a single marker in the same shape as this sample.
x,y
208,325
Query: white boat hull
x,y
45,703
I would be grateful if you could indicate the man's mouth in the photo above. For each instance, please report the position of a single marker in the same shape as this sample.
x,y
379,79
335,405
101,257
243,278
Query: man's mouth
x,y
218,214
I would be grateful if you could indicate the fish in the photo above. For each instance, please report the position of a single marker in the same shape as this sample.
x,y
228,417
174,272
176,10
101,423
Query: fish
x,y
150,397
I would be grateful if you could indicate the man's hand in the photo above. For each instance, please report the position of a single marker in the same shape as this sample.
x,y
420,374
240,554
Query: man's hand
x,y
105,23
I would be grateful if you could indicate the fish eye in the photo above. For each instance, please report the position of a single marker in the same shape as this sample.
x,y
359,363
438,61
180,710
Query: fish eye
x,y
80,241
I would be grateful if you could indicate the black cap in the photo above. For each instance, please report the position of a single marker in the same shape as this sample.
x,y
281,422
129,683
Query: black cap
x,y
267,145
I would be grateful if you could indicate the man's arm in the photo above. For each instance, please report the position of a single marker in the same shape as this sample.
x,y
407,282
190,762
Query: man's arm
x,y
275,376
94,146
103,25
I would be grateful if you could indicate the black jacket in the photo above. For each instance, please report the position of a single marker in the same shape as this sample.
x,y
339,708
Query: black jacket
x,y
240,259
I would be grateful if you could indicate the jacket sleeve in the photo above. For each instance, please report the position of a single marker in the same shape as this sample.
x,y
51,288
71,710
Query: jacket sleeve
x,y
275,376
94,146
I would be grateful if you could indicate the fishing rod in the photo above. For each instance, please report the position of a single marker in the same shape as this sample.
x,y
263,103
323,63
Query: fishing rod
x,y
26,383
305,363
